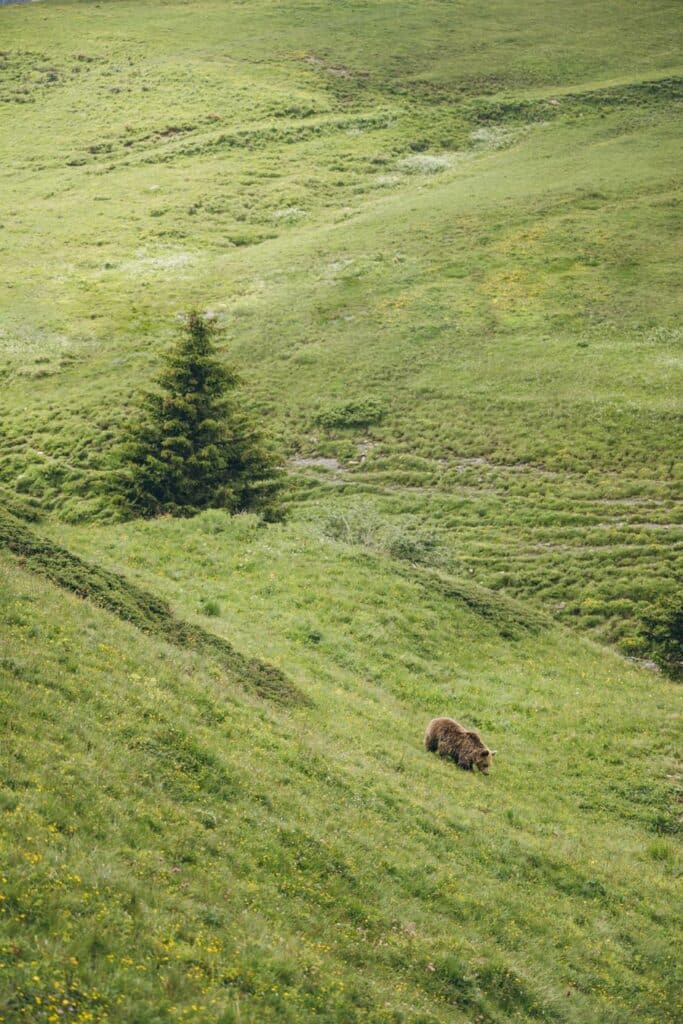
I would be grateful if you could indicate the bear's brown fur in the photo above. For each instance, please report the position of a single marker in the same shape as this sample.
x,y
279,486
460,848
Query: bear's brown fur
x,y
464,746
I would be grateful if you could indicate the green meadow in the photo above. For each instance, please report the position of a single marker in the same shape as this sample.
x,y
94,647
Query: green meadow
x,y
440,243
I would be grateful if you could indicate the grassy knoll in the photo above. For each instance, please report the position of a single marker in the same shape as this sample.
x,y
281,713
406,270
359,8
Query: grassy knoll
x,y
176,848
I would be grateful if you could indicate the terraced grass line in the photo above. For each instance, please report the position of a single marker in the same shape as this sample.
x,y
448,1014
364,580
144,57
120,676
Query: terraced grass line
x,y
260,137
510,618
22,508
146,611
645,93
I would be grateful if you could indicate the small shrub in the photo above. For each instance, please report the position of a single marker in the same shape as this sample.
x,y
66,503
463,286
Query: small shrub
x,y
424,163
455,972
662,851
662,635
213,520
413,546
241,526
306,633
31,481
210,607
358,412
511,992
355,525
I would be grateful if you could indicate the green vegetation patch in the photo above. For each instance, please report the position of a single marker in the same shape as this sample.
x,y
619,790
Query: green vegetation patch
x,y
440,251
173,848
142,608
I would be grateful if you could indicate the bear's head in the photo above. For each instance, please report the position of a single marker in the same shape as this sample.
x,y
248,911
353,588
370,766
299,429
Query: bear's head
x,y
485,760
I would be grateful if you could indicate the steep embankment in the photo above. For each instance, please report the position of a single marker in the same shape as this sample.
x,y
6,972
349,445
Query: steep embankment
x,y
113,592
176,847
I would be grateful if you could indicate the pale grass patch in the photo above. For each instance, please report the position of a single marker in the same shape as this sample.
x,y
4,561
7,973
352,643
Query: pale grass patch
x,y
289,213
166,261
426,163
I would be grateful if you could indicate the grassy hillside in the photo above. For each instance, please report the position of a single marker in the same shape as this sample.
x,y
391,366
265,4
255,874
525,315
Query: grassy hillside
x,y
467,222
177,848
439,242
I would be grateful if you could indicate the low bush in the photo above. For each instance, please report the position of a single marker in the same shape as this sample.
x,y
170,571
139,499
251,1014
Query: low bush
x,y
356,412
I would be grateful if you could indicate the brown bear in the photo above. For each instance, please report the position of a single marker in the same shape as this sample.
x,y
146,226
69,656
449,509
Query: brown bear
x,y
464,746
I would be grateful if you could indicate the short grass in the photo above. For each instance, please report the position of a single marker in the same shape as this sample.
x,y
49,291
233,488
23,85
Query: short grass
x,y
177,849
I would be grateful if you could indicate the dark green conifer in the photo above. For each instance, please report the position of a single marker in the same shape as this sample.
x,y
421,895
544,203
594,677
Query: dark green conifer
x,y
662,634
192,447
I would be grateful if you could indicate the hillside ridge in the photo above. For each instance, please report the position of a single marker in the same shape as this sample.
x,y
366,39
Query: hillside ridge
x,y
111,591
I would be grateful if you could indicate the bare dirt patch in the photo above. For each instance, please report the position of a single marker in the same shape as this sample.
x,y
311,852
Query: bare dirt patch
x,y
338,70
319,462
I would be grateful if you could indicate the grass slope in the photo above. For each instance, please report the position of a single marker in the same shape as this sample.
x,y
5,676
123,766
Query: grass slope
x,y
177,849
142,608
467,221
440,240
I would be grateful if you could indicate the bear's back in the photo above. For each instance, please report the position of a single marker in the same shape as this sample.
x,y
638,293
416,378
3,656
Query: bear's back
x,y
441,730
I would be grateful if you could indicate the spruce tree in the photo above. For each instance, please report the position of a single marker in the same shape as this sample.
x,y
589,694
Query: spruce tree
x,y
191,446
